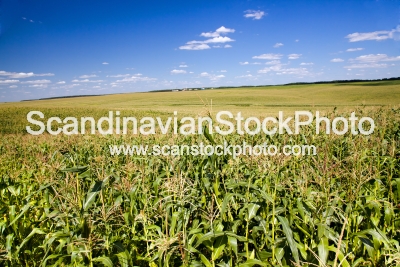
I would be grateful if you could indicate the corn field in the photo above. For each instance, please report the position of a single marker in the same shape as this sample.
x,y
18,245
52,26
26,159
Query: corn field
x,y
65,201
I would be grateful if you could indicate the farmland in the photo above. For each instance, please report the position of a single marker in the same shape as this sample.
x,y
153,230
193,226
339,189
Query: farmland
x,y
66,201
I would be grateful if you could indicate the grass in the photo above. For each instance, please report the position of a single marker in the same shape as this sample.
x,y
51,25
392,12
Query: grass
x,y
67,202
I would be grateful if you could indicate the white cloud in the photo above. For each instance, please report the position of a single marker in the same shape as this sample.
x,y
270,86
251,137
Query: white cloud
x,y
218,39
268,56
294,56
224,30
374,36
366,65
278,45
212,77
87,81
245,76
178,71
273,62
87,76
9,81
297,40
223,71
40,85
194,47
375,58
183,66
354,49
227,46
371,61
61,82
105,63
119,75
37,82
336,60
255,14
244,63
13,86
289,71
21,75
306,64
218,32
136,78
215,38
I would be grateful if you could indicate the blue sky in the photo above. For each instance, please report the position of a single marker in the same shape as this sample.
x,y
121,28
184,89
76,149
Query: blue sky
x,y
59,48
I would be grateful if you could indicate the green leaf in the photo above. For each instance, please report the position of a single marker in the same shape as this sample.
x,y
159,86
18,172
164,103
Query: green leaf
x,y
207,134
106,261
123,258
34,231
205,261
232,241
252,262
78,169
9,241
252,211
24,209
289,236
323,250
219,245
207,237
91,196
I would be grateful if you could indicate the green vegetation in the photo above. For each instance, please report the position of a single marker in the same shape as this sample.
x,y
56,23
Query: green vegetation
x,y
66,201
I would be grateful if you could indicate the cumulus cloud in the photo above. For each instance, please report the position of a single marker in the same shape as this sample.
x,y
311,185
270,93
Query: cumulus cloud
x,y
375,58
278,45
87,76
374,36
216,37
294,56
178,71
245,76
119,75
40,85
61,82
268,56
8,81
135,78
87,81
306,64
222,71
22,75
212,77
273,62
279,70
366,65
37,82
218,32
183,66
194,47
254,14
244,63
354,49
336,60
227,46
371,61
